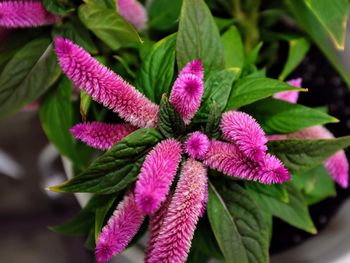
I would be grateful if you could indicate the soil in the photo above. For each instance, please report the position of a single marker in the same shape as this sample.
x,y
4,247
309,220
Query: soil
x,y
325,88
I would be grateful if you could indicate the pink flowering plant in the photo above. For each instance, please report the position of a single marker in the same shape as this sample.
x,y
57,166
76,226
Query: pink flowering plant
x,y
171,122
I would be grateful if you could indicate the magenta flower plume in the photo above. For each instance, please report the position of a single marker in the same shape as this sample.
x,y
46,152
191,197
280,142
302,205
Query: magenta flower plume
x,y
120,229
101,135
175,236
157,174
186,95
243,130
16,14
197,144
133,12
290,95
230,160
337,165
156,221
204,201
194,67
104,86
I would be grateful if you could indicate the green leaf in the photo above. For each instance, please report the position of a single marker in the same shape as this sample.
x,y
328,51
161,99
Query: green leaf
x,y
295,212
297,50
107,25
250,89
157,70
170,122
238,224
316,184
301,155
307,21
115,169
85,102
29,73
198,37
333,17
277,116
233,48
101,213
164,14
277,191
253,55
218,88
56,117
75,31
58,7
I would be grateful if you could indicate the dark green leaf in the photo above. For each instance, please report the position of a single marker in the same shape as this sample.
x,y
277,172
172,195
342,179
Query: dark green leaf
x,y
250,89
115,169
277,191
307,21
58,7
301,155
76,32
157,70
277,116
333,17
170,122
316,184
298,48
253,55
233,48
295,212
238,224
29,73
196,256
218,88
164,14
107,25
56,116
198,37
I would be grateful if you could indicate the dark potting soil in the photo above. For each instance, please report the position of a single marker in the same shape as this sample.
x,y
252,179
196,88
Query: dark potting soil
x,y
325,88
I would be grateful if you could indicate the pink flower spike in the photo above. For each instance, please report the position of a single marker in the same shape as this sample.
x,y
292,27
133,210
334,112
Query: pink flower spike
x,y
186,95
133,12
272,171
230,160
120,229
175,236
100,135
156,221
243,130
290,95
19,14
338,167
104,86
157,174
197,144
194,67
204,201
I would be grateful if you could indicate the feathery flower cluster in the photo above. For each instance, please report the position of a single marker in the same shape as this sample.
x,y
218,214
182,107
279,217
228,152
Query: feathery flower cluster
x,y
101,135
187,91
121,227
229,159
197,144
241,129
174,238
104,86
133,12
337,165
173,217
17,14
157,174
